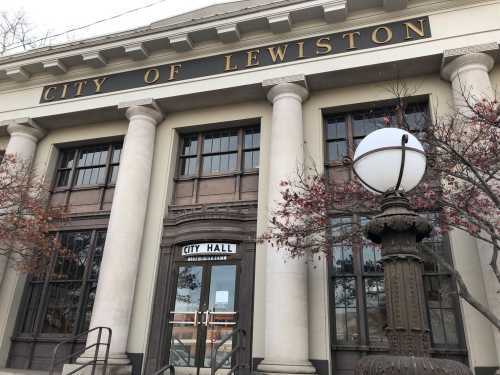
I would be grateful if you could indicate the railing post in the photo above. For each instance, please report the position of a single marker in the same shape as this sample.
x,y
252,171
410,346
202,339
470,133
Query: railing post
x,y
108,344
96,349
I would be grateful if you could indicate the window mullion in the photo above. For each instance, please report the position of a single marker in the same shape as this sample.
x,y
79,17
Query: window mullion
x,y
360,287
40,315
349,136
83,285
108,164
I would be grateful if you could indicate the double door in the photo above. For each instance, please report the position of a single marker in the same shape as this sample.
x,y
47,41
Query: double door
x,y
204,313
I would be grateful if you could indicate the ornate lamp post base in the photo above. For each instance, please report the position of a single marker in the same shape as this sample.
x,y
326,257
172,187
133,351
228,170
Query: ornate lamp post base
x,y
395,365
398,229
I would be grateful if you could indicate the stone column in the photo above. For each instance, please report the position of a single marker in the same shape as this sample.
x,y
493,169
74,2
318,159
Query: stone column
x,y
117,276
24,136
286,320
468,74
467,69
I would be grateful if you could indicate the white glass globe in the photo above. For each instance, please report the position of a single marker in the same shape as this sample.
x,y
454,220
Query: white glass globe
x,y
377,161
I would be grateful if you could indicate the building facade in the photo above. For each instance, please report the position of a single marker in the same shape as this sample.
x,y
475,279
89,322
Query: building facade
x,y
167,144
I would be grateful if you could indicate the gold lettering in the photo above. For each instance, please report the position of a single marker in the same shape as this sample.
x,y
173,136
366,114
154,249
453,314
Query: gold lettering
x,y
323,43
252,57
174,69
388,35
80,85
156,76
278,52
351,38
301,50
46,95
64,91
420,31
227,65
98,83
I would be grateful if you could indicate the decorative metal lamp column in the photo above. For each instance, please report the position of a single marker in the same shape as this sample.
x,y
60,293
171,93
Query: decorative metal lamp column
x,y
391,162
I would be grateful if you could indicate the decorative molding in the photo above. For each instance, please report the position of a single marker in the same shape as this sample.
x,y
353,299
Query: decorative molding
x,y
18,74
26,126
55,67
391,5
298,79
228,221
295,84
451,54
146,107
136,51
280,23
229,34
399,365
181,43
474,60
94,59
335,12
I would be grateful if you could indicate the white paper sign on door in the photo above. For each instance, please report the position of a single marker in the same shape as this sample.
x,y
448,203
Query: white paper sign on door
x,y
222,297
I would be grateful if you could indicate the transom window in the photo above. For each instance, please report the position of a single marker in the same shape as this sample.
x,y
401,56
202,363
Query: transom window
x,y
220,152
88,166
345,131
61,301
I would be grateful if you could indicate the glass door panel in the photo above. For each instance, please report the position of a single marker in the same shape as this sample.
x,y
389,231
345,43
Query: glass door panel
x,y
185,317
220,317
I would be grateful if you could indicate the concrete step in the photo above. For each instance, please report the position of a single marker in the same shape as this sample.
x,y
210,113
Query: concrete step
x,y
17,371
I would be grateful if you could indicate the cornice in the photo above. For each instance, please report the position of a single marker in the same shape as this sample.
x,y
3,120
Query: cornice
x,y
181,41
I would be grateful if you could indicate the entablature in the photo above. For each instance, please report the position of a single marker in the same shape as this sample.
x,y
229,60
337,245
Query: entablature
x,y
186,35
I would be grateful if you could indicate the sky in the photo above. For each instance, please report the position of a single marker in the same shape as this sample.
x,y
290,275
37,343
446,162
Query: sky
x,y
58,16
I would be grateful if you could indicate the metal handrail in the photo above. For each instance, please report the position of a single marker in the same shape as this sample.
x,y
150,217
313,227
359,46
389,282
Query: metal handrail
x,y
186,349
240,345
161,370
97,345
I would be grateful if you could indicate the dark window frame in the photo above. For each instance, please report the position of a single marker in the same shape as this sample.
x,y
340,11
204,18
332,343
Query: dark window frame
x,y
199,153
349,118
49,279
420,112
108,165
360,276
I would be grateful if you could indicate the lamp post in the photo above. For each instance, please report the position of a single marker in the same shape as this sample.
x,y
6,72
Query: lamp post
x,y
392,162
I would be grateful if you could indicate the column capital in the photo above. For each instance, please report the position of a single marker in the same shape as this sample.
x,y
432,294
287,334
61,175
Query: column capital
x,y
143,107
292,85
27,127
463,59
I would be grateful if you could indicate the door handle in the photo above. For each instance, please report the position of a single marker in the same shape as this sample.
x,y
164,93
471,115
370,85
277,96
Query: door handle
x,y
207,318
194,322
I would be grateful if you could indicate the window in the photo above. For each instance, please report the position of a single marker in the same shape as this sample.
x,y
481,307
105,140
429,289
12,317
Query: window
x,y
88,166
357,292
345,131
60,302
358,286
220,152
251,146
359,298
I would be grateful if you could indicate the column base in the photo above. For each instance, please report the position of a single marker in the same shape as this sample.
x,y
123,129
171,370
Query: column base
x,y
276,367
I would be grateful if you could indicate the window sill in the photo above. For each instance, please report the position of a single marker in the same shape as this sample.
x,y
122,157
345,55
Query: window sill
x,y
45,337
221,175
86,187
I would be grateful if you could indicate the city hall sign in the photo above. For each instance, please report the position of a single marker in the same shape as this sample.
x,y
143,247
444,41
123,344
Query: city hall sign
x,y
309,48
